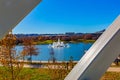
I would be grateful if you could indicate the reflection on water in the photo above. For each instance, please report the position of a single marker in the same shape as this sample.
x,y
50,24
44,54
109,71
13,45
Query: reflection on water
x,y
60,54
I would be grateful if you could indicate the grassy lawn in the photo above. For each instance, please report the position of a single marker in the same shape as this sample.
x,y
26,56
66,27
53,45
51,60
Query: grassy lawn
x,y
27,74
36,74
52,74
86,41
44,42
49,73
43,74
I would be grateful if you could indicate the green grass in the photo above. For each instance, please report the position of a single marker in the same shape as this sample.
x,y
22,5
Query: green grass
x,y
26,74
35,74
44,42
86,41
50,74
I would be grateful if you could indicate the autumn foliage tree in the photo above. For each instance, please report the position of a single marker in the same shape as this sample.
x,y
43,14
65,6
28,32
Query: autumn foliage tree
x,y
9,59
29,48
87,36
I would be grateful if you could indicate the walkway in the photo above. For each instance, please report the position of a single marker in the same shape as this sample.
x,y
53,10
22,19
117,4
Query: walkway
x,y
114,69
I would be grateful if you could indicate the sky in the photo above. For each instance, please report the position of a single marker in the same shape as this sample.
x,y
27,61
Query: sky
x,y
60,16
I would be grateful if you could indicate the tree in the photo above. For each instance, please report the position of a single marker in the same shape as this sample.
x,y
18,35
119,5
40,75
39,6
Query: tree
x,y
74,38
71,64
29,48
52,57
87,36
9,59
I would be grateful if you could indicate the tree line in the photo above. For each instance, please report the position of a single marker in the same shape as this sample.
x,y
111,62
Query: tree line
x,y
65,38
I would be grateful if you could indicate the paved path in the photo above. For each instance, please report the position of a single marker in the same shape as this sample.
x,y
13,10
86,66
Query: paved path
x,y
114,69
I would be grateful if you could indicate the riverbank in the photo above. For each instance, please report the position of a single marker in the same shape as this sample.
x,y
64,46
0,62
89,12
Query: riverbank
x,y
45,64
51,41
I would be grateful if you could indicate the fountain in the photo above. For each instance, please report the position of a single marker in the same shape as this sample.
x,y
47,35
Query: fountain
x,y
58,44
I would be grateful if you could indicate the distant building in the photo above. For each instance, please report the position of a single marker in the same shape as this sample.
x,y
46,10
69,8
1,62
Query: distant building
x,y
79,34
70,33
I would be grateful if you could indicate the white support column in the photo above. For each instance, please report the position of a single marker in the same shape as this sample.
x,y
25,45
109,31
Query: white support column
x,y
12,12
100,56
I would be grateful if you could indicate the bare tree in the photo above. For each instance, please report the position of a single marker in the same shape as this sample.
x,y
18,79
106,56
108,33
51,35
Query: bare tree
x,y
52,55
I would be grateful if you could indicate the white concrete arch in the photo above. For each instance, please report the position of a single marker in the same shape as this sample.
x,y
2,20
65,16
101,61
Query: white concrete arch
x,y
12,12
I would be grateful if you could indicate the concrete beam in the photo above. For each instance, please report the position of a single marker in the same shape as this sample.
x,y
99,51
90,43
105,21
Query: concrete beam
x,y
100,56
12,12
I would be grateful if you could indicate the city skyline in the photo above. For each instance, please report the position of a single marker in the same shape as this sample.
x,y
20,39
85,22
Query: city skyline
x,y
60,16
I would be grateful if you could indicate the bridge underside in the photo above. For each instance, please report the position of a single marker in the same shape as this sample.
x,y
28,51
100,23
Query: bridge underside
x,y
12,12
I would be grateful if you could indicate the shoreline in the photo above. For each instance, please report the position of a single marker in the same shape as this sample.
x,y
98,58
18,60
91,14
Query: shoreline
x,y
46,42
44,64
26,61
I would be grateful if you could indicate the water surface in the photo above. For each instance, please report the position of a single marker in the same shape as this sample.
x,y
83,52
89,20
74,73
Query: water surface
x,y
76,51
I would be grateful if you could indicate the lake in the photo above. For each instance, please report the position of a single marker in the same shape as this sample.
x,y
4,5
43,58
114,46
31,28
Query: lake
x,y
76,51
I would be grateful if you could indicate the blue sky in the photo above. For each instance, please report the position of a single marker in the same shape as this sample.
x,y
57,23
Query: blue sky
x,y
60,16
